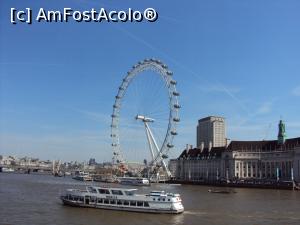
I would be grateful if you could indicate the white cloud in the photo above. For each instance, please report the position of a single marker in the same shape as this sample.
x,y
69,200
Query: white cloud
x,y
95,116
218,88
265,108
296,91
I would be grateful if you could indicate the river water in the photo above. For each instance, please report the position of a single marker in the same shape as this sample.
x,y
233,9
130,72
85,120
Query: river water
x,y
34,199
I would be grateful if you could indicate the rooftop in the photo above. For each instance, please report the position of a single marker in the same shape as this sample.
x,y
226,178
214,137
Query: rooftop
x,y
265,145
208,118
243,146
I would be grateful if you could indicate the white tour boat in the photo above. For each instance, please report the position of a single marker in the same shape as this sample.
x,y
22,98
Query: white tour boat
x,y
124,199
136,181
7,170
82,176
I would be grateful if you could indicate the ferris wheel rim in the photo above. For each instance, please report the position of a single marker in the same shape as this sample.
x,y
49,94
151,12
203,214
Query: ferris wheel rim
x,y
161,69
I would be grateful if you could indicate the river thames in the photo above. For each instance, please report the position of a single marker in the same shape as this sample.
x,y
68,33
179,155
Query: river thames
x,y
34,199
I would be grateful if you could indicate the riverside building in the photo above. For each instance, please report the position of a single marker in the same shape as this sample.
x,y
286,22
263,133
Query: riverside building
x,y
211,132
240,160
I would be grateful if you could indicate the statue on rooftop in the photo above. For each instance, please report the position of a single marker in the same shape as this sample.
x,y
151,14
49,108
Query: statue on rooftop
x,y
281,132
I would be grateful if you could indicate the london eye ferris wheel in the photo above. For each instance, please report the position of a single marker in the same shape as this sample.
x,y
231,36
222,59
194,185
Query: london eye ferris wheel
x,y
145,116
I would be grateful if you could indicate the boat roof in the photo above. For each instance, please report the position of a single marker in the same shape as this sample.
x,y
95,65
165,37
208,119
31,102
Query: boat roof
x,y
114,188
133,178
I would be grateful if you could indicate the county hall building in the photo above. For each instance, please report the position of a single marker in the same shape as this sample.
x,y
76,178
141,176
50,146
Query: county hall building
x,y
216,159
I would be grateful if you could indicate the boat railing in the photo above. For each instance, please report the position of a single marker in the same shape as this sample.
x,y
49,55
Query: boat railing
x,y
77,190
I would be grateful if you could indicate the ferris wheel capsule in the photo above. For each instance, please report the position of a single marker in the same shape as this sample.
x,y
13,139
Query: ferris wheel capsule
x,y
164,156
175,93
177,106
173,82
170,73
176,119
170,145
174,132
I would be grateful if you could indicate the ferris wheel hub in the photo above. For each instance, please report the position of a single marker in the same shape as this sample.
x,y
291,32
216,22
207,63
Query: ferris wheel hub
x,y
144,118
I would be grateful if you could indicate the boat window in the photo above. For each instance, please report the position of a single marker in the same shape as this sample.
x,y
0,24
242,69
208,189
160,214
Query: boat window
x,y
158,199
154,199
119,202
164,199
93,199
106,201
146,204
103,191
139,203
169,200
100,200
126,202
92,190
113,202
130,193
116,192
133,203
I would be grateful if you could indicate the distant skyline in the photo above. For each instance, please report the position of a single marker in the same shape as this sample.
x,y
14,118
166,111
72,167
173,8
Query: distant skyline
x,y
236,59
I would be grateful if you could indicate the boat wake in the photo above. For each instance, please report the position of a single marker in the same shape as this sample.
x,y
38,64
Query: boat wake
x,y
194,213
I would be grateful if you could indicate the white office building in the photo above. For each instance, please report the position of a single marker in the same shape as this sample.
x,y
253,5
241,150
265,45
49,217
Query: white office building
x,y
211,132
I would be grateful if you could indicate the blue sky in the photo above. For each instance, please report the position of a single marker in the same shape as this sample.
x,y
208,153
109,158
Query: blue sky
x,y
237,59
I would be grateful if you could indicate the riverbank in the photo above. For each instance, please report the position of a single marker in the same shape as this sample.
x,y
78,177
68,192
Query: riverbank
x,y
262,184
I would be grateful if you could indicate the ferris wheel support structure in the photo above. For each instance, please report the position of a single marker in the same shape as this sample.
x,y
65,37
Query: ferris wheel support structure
x,y
152,142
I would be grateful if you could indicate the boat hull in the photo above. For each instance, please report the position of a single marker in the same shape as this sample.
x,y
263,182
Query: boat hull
x,y
119,208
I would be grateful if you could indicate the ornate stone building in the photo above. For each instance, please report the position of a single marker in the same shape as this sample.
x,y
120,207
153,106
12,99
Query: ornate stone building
x,y
273,160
